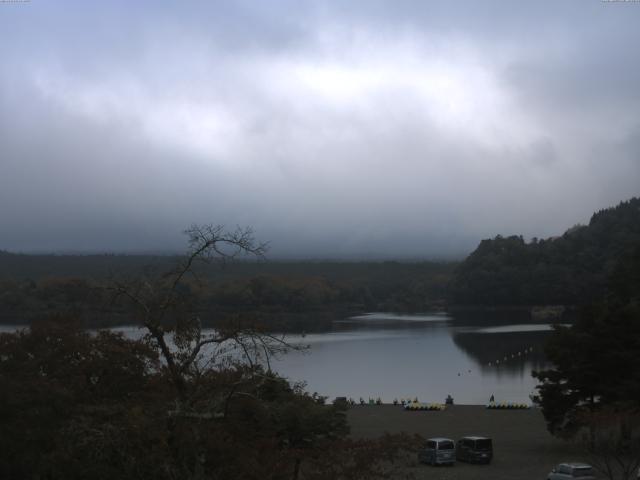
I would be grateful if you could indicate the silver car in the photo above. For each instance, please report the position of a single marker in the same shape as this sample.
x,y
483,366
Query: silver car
x,y
437,451
566,471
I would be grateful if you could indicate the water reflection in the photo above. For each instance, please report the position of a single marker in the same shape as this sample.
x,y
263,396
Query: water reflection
x,y
518,352
518,328
381,317
428,356
404,356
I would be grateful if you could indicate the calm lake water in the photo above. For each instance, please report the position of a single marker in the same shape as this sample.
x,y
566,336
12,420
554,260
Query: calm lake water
x,y
426,356
405,356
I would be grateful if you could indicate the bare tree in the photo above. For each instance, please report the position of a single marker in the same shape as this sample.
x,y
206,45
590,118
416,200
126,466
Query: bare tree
x,y
162,308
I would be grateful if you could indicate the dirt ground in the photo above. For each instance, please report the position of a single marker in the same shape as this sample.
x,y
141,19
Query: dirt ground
x,y
523,449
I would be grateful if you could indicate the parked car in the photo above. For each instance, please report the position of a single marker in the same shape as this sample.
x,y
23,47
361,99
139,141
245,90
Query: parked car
x,y
438,451
474,449
566,471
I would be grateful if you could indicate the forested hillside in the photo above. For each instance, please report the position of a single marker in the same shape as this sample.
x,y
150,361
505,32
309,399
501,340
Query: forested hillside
x,y
35,285
568,270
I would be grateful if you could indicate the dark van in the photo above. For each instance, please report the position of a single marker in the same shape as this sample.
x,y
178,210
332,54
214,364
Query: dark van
x,y
474,450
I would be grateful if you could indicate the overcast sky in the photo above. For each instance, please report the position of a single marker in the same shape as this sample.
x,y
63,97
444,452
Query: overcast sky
x,y
336,129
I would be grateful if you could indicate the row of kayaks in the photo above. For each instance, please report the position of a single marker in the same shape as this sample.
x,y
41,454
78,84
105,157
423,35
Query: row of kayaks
x,y
417,406
507,406
414,406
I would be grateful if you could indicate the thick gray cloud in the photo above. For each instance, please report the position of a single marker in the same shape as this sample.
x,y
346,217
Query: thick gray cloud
x,y
335,129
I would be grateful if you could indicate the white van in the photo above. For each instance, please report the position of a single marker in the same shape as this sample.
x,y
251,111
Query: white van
x,y
438,451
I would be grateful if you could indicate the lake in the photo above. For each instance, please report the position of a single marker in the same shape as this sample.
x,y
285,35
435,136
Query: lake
x,y
427,356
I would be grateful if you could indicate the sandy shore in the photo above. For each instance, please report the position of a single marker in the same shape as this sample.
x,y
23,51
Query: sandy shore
x,y
523,449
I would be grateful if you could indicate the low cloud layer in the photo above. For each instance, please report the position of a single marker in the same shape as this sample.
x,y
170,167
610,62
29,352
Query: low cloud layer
x,y
404,129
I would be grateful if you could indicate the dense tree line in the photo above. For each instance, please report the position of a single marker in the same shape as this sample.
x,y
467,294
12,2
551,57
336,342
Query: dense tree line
x,y
287,295
567,270
75,405
592,391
